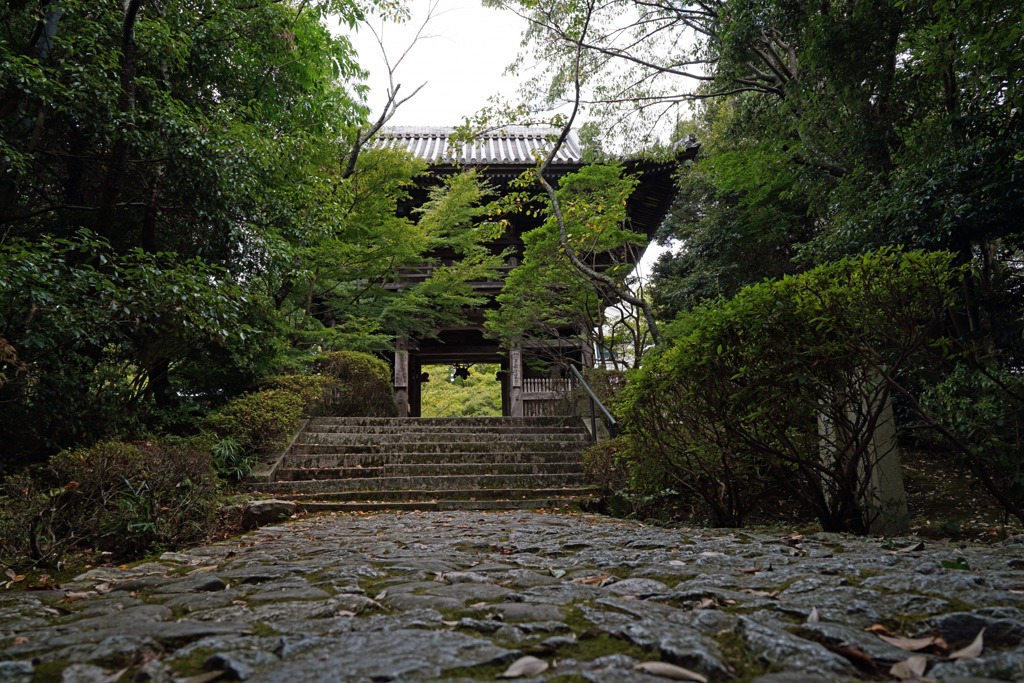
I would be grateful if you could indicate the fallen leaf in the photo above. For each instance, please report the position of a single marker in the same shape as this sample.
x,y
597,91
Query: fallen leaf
x,y
114,677
751,570
103,587
593,580
380,596
558,573
525,666
855,655
813,617
760,594
201,678
705,603
449,623
9,573
72,596
677,563
344,613
910,668
20,640
878,629
972,650
914,644
958,563
666,670
912,548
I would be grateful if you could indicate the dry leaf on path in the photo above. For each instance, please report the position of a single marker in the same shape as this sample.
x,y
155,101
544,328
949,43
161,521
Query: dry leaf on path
x,y
914,644
705,603
855,655
909,669
593,580
878,629
912,548
666,670
71,596
813,617
973,650
525,666
114,677
201,678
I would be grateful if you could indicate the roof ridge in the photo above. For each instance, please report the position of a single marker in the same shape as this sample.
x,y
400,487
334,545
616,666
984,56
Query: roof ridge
x,y
507,145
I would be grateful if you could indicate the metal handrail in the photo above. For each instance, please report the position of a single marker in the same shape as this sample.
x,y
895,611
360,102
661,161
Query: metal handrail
x,y
612,423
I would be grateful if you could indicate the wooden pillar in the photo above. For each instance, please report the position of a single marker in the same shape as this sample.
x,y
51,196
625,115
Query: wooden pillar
x,y
402,376
515,383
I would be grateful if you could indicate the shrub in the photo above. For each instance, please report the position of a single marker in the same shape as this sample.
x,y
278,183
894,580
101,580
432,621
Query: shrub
x,y
265,419
980,412
125,499
607,464
741,395
363,384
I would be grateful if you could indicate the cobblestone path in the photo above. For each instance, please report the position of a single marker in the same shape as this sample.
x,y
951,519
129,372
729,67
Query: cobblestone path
x,y
464,596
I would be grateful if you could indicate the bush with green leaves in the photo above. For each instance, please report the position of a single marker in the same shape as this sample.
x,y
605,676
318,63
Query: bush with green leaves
x,y
735,405
363,384
979,412
126,499
261,420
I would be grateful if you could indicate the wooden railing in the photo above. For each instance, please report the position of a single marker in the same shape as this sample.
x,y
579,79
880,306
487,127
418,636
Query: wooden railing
x,y
545,396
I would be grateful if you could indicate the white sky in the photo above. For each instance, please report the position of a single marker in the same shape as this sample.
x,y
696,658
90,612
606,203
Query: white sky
x,y
460,57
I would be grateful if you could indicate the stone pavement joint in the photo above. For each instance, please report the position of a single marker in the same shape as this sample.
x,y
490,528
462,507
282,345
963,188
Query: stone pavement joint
x,y
461,595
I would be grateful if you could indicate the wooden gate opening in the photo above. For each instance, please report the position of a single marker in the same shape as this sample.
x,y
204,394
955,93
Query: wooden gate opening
x,y
460,390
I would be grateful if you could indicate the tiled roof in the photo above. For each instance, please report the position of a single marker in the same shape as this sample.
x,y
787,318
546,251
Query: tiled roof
x,y
512,145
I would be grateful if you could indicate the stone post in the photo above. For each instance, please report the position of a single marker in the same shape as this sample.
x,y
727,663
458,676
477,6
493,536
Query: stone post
x,y
515,384
885,500
402,376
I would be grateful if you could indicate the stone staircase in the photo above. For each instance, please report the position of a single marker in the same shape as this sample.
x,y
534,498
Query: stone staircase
x,y
433,464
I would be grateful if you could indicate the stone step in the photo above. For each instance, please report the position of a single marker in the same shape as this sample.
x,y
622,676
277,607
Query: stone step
x,y
380,459
314,437
560,502
467,495
435,483
438,448
520,422
418,428
425,470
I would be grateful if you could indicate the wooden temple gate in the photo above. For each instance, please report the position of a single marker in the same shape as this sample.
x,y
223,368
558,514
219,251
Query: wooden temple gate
x,y
501,157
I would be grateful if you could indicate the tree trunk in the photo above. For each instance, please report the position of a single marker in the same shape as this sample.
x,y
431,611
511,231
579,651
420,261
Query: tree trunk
x,y
126,105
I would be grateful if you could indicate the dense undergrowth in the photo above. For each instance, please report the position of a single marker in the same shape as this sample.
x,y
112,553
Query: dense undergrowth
x,y
123,500
764,407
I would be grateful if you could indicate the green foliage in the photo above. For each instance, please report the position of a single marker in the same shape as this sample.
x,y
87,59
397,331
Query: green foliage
x,y
607,464
546,293
735,404
980,411
448,396
264,419
231,461
97,333
362,384
125,499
